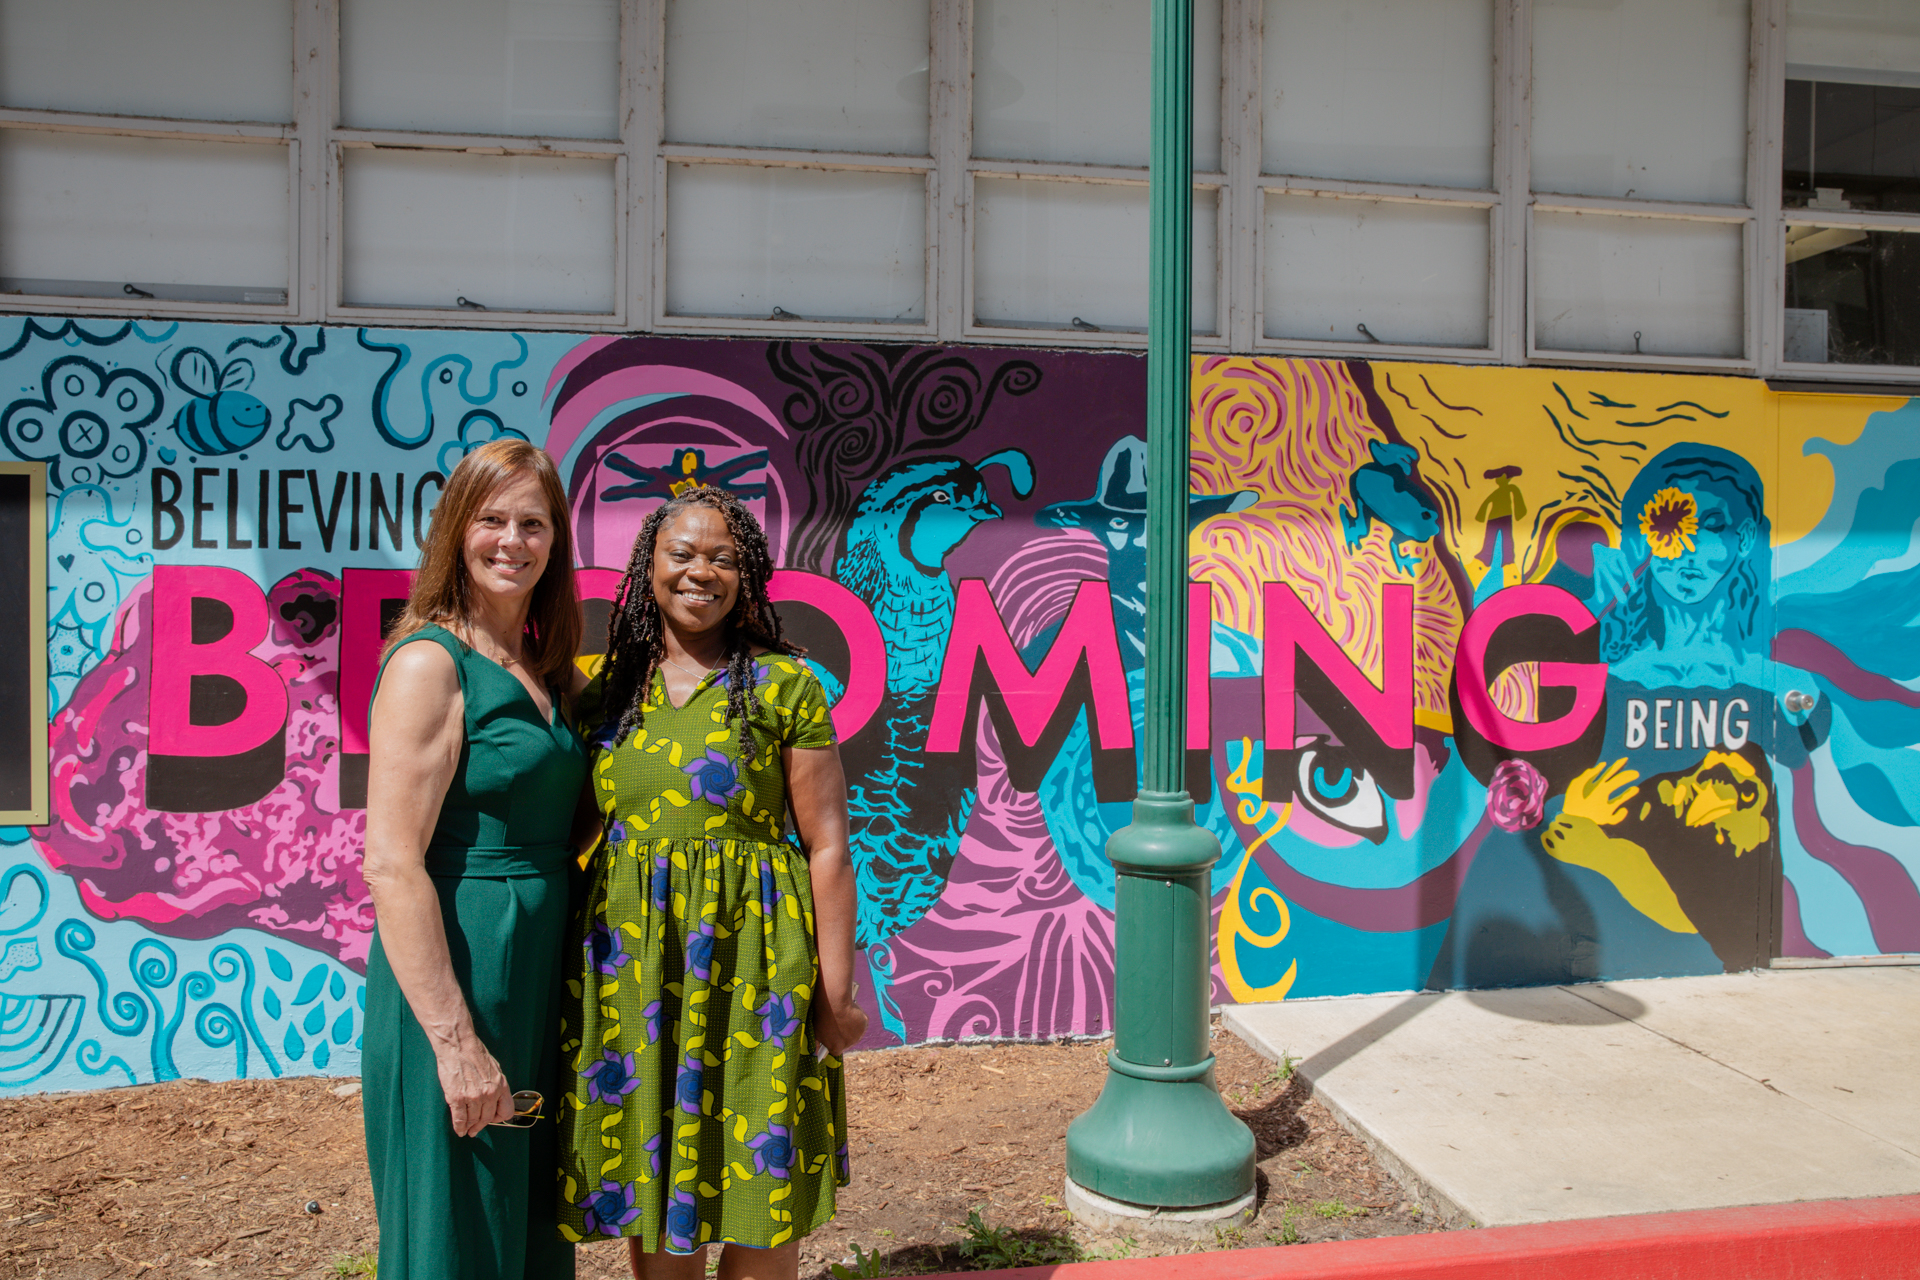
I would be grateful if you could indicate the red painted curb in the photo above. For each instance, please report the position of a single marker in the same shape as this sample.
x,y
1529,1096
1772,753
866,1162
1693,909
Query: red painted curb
x,y
1877,1239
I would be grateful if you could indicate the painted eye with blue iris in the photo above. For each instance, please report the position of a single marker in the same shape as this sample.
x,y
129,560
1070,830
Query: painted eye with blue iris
x,y
1337,788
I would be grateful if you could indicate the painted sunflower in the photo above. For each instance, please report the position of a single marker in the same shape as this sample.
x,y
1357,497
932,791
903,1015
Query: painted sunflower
x,y
1669,521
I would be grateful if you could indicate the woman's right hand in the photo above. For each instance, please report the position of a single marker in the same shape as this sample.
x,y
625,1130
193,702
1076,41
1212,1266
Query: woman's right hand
x,y
476,1091
839,1024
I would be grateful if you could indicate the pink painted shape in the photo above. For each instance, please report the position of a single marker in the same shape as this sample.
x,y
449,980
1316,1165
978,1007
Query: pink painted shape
x,y
1292,630
603,393
1032,696
177,660
598,584
362,592
867,680
576,357
1199,666
1588,680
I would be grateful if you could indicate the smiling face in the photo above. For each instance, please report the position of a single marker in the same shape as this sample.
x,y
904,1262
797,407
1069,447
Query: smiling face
x,y
508,542
1718,543
696,571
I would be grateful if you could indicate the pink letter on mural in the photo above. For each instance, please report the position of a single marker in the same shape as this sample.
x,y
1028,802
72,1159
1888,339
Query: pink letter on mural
x,y
1199,666
1588,680
178,658
1032,697
1292,630
866,649
362,594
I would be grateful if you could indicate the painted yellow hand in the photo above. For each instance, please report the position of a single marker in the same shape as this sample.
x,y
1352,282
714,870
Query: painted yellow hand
x,y
1600,795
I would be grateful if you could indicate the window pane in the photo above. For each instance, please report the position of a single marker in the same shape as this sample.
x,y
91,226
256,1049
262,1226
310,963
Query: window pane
x,y
1857,41
1069,80
838,75
1644,98
1852,146
746,240
1852,137
1652,285
1853,297
87,215
526,67
1410,273
1380,90
185,59
512,233
1069,255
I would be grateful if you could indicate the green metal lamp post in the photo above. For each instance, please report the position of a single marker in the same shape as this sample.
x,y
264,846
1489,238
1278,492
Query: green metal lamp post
x,y
1159,1137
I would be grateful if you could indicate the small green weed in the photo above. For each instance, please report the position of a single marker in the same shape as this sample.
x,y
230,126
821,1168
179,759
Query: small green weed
x,y
1331,1209
1289,1233
1282,1072
990,1248
866,1266
353,1266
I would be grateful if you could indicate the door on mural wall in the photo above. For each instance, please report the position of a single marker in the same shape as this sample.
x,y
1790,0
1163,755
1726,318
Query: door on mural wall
x,y
1845,589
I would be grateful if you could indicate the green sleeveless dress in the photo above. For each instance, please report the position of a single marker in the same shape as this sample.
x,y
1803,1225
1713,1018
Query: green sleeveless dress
x,y
697,1106
480,1208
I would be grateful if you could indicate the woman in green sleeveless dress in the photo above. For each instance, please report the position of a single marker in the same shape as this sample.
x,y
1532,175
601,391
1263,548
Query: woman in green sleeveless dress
x,y
472,786
711,973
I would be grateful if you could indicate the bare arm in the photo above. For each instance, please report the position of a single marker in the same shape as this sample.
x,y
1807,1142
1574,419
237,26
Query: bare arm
x,y
416,731
817,791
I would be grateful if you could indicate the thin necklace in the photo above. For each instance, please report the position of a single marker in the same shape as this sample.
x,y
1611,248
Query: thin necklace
x,y
697,675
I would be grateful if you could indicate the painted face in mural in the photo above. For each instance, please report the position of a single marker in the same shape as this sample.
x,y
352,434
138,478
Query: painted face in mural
x,y
509,541
1719,541
696,571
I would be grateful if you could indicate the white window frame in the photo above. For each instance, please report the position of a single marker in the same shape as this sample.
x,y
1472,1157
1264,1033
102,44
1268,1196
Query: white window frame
x,y
316,149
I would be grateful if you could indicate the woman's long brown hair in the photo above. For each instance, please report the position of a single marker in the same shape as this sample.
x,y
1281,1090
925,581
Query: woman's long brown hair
x,y
441,593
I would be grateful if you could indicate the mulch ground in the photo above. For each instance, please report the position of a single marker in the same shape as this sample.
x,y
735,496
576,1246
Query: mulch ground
x,y
220,1180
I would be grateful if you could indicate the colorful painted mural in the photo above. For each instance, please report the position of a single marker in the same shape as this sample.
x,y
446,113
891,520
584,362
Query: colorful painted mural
x,y
1500,676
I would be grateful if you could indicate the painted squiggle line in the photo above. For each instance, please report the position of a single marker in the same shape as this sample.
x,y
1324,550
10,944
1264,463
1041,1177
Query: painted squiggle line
x,y
1457,408
1568,400
243,964
1693,404
72,939
1565,436
34,329
1233,925
1683,417
152,975
89,1055
6,894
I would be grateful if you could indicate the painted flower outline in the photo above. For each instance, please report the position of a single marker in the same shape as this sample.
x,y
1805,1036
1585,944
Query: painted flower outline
x,y
1669,521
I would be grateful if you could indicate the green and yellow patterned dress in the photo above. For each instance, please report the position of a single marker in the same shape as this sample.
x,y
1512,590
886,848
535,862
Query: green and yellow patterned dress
x,y
696,1107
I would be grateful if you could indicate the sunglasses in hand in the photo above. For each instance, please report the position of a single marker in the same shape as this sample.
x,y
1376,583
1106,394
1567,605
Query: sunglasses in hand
x,y
527,1105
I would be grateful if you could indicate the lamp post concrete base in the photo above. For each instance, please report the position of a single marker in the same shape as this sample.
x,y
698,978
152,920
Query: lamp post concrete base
x,y
1115,1217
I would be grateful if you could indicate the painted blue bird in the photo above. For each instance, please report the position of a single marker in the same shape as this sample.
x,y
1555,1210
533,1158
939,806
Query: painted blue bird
x,y
907,809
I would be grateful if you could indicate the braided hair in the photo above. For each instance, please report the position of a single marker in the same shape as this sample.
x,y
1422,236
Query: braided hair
x,y
636,637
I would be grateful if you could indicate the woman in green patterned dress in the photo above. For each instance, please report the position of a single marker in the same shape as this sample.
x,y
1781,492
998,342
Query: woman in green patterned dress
x,y
711,987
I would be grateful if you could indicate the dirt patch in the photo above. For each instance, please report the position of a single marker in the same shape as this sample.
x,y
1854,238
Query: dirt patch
x,y
216,1180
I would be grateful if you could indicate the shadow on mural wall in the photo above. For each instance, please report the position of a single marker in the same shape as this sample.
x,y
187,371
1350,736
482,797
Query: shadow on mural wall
x,y
1501,676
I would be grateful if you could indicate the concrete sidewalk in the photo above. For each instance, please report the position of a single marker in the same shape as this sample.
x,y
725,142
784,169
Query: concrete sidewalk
x,y
1550,1103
